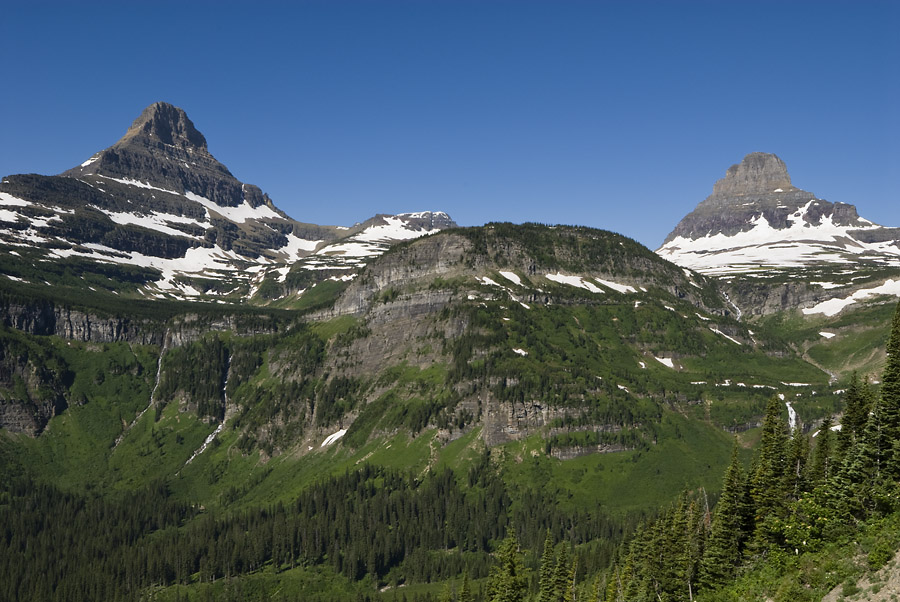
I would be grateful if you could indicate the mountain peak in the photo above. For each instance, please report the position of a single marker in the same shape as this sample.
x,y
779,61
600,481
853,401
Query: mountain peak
x,y
168,124
758,173
162,148
755,219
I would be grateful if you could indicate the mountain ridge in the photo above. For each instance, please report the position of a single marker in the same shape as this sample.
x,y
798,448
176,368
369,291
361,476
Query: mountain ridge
x,y
158,199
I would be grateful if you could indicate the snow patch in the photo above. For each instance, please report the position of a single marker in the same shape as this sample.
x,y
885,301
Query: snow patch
x,y
576,281
488,281
719,332
9,200
665,361
521,352
512,277
834,306
395,228
620,288
333,437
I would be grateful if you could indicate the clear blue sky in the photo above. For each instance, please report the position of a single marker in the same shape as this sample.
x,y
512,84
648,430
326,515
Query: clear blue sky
x,y
616,115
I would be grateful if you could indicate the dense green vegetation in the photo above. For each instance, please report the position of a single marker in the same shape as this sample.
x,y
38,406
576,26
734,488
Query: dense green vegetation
x,y
789,527
635,392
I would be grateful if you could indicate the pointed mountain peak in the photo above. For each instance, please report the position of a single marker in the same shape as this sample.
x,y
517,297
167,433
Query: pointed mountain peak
x,y
162,122
162,148
758,173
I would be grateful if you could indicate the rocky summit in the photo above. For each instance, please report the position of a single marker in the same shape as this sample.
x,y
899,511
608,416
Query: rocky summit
x,y
758,173
756,219
162,148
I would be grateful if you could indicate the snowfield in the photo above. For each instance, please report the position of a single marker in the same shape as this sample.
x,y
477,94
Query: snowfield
x,y
764,246
834,306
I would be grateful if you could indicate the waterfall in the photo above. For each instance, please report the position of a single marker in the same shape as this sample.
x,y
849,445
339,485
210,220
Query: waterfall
x,y
209,439
737,309
792,417
159,360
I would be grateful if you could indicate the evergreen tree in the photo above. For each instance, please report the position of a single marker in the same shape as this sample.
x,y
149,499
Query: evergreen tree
x,y
795,473
596,590
563,576
768,479
862,475
465,590
820,464
728,533
446,594
507,581
548,571
890,398
855,410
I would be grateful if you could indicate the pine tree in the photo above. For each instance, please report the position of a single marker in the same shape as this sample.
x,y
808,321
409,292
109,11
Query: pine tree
x,y
446,594
465,591
562,577
548,571
854,408
863,476
820,464
797,456
596,590
890,398
727,536
507,581
767,483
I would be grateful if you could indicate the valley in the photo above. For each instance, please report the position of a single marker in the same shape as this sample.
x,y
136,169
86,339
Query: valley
x,y
220,402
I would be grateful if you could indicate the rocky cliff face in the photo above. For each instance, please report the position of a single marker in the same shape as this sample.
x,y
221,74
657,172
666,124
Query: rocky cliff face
x,y
757,174
49,319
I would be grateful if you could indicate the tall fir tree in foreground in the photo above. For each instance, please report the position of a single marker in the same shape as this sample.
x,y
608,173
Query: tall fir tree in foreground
x,y
820,465
548,571
728,533
890,398
767,481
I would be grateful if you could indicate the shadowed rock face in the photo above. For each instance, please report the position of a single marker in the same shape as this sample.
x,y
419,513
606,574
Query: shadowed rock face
x,y
164,149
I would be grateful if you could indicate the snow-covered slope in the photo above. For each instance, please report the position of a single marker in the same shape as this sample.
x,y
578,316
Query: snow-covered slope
x,y
756,220
779,247
807,239
157,199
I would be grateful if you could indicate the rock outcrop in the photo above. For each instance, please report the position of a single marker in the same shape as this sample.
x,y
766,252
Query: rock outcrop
x,y
758,173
